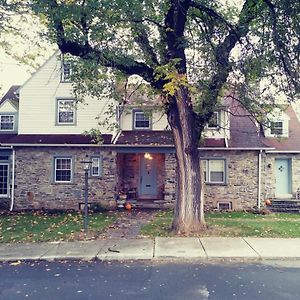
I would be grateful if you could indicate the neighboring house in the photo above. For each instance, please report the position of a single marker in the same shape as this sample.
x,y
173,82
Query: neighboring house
x,y
42,146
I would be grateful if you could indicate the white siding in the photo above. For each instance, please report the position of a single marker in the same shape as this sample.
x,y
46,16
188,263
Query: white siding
x,y
159,121
38,100
223,131
7,107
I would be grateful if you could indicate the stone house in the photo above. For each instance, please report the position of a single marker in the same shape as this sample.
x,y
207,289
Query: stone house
x,y
42,146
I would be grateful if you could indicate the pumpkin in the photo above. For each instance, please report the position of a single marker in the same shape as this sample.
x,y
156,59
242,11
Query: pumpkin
x,y
268,202
128,206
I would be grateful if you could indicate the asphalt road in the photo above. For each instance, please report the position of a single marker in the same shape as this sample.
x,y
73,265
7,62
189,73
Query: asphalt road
x,y
147,280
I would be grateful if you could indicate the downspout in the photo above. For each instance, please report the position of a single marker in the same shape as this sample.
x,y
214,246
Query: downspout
x,y
12,181
259,179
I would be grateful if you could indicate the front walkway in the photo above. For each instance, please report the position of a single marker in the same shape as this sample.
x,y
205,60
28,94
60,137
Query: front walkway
x,y
128,224
203,249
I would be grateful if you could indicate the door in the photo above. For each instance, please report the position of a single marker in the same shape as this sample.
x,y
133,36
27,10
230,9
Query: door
x,y
4,181
148,176
283,177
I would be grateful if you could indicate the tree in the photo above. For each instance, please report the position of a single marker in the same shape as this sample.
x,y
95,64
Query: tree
x,y
190,52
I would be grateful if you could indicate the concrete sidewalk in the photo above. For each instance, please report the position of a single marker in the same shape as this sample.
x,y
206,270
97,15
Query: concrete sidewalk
x,y
205,248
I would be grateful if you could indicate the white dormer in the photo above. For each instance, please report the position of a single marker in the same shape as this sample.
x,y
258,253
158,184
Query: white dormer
x,y
218,126
278,125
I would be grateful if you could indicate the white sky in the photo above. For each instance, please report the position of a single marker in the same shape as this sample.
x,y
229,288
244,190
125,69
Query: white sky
x,y
11,73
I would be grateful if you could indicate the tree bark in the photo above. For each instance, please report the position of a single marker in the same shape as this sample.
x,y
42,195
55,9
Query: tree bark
x,y
189,215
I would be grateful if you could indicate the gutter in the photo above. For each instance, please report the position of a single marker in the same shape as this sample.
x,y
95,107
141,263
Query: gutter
x,y
12,181
136,145
259,180
282,151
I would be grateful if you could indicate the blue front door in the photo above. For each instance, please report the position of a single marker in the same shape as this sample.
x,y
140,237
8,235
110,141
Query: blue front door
x,y
283,177
148,176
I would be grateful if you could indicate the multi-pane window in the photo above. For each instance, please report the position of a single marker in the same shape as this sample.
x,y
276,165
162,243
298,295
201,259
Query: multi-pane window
x,y
66,111
214,171
7,122
96,168
277,128
214,121
66,71
63,169
141,120
4,171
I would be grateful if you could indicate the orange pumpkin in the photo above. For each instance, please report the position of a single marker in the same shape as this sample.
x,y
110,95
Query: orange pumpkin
x,y
128,206
268,202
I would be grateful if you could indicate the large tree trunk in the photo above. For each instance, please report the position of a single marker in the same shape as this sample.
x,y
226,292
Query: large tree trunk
x,y
189,215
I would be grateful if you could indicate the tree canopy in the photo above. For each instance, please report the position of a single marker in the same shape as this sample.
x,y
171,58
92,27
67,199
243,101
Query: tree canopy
x,y
191,52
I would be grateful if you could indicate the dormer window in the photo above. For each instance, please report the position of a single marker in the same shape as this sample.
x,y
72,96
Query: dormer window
x,y
141,120
7,122
276,128
66,71
214,121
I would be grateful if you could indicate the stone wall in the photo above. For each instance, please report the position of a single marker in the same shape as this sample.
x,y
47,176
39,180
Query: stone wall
x,y
170,177
269,176
35,188
241,188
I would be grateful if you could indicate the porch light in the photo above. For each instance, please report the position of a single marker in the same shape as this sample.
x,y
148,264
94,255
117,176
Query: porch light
x,y
148,156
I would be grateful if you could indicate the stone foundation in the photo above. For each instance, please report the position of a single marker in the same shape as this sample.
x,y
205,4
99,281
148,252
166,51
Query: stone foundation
x,y
35,188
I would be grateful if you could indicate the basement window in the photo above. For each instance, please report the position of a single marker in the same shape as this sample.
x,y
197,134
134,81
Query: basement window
x,y
224,205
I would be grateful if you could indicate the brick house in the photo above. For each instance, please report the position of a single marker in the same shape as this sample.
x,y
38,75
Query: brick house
x,y
42,146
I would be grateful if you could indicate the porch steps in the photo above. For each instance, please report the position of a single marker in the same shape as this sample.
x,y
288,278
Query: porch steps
x,y
152,204
288,206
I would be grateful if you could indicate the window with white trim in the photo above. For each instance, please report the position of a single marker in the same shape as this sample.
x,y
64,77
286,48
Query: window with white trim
x,y
66,71
66,111
7,122
214,171
276,128
96,167
141,120
214,121
63,169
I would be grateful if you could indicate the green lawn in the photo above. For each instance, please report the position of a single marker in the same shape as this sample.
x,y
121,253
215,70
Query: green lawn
x,y
38,227
233,224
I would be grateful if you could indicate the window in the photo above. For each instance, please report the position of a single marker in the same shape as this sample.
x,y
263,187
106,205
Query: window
x,y
141,120
277,128
66,71
96,168
7,122
214,121
214,171
63,169
66,112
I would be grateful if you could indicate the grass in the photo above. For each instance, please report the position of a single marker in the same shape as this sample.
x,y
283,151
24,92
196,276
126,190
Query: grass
x,y
41,227
233,224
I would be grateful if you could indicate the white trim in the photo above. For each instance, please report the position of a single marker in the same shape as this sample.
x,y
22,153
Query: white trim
x,y
73,106
283,151
7,115
99,166
8,170
259,179
134,120
71,169
12,199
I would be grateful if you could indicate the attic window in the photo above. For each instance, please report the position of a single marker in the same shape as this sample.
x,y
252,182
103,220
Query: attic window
x,y
66,112
276,128
7,122
214,121
141,120
66,71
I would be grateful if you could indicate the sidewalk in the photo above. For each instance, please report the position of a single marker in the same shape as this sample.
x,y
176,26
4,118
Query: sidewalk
x,y
205,248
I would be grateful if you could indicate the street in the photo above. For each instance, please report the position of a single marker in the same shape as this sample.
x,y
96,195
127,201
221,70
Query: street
x,y
43,280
